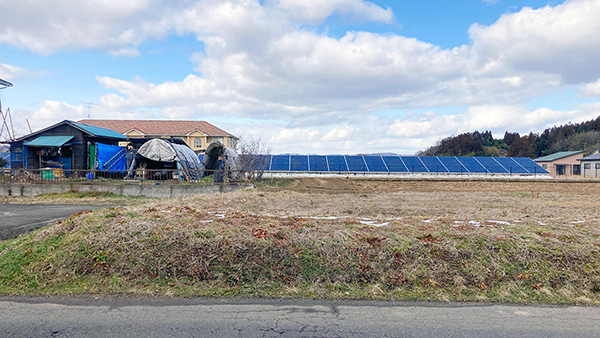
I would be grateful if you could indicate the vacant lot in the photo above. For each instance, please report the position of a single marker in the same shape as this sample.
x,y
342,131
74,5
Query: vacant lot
x,y
512,241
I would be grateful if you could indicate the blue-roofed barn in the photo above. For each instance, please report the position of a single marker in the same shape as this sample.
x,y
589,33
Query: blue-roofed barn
x,y
64,145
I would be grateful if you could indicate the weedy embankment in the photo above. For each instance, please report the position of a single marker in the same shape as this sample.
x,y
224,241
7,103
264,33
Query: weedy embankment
x,y
246,244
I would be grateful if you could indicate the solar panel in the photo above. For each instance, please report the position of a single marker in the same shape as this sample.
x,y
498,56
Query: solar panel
x,y
375,164
472,165
280,163
433,164
452,164
530,165
299,163
394,164
317,163
511,165
6,157
263,162
492,165
356,163
337,163
414,164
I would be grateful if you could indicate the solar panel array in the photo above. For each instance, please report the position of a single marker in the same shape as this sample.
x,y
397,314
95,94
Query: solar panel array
x,y
400,164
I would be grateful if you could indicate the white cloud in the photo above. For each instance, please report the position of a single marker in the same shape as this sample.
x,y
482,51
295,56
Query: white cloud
x,y
10,72
560,40
49,26
316,11
591,89
340,133
316,93
126,52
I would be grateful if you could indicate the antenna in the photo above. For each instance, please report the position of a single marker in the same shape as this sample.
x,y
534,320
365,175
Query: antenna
x,y
89,104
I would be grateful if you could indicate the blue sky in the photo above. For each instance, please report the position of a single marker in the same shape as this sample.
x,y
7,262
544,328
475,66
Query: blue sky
x,y
337,76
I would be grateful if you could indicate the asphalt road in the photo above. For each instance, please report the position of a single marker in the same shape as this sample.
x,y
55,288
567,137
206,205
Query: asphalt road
x,y
17,219
134,317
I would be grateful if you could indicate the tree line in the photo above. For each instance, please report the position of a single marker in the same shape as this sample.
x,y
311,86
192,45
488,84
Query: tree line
x,y
572,136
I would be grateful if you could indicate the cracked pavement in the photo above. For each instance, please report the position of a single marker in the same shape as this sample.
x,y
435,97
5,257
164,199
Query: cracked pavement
x,y
172,317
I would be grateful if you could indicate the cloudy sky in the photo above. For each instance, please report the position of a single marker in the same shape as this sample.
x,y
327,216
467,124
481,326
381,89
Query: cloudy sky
x,y
306,76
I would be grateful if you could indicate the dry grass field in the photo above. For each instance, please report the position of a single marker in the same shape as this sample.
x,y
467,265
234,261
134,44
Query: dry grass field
x,y
451,240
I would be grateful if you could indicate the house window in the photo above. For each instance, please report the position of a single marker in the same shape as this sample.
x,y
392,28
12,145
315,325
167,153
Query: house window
x,y
545,166
587,166
16,157
576,169
597,165
197,142
217,139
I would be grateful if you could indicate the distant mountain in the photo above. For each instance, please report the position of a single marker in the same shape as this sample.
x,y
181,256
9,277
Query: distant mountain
x,y
579,136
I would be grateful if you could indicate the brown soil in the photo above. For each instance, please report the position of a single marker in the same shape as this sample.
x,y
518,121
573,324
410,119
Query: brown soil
x,y
352,185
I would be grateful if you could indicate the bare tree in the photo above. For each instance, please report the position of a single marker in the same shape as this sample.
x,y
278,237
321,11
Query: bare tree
x,y
254,156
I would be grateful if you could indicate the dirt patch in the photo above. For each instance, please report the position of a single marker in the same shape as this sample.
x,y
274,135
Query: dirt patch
x,y
354,185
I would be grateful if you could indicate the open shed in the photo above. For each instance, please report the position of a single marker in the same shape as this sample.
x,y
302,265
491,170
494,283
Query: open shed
x,y
63,145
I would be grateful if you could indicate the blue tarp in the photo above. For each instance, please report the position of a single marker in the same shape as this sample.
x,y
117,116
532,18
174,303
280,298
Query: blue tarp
x,y
6,157
111,158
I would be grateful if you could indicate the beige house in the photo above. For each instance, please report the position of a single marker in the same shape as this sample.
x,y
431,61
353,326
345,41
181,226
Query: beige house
x,y
591,165
196,134
564,163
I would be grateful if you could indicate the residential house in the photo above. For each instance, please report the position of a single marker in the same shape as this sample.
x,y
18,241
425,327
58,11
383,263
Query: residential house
x,y
564,163
196,134
65,145
591,165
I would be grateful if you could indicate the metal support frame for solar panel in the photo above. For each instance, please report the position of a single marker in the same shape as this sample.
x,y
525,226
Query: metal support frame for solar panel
x,y
447,170
416,163
403,163
513,166
522,167
437,164
462,165
423,164
500,164
481,164
385,164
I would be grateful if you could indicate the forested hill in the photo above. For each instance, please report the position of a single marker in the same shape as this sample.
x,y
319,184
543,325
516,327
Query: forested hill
x,y
579,136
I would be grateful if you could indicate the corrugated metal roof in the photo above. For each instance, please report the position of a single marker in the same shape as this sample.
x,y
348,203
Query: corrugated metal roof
x,y
99,131
5,83
556,156
594,157
49,141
